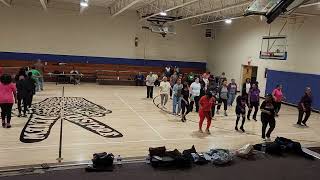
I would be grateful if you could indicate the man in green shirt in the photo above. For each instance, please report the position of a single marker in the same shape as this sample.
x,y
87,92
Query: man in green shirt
x,y
36,75
190,78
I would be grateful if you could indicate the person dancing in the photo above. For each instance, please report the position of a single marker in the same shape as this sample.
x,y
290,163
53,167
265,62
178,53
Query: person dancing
x,y
241,111
267,117
304,107
195,89
164,90
278,97
185,106
253,99
223,97
206,103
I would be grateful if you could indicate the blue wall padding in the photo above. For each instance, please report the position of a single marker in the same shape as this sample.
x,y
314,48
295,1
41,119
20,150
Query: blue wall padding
x,y
98,60
294,85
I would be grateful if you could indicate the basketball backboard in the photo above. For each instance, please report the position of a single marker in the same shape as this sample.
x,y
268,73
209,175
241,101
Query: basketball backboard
x,y
271,9
274,47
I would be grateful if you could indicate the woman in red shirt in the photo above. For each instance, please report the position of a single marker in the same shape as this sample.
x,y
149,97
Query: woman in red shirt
x,y
7,99
206,103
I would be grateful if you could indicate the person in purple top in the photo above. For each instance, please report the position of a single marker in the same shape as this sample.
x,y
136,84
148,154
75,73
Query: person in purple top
x,y
253,99
304,107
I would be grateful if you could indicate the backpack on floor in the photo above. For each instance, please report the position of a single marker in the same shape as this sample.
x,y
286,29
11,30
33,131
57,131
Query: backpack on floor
x,y
101,160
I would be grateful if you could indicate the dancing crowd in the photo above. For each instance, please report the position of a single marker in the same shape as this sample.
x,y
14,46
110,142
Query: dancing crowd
x,y
206,93
202,93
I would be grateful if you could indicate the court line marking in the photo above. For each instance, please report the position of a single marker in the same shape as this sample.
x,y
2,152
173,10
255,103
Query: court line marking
x,y
70,146
124,142
146,122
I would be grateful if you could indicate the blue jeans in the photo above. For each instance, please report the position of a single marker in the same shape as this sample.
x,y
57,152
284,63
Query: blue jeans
x,y
176,101
231,98
40,83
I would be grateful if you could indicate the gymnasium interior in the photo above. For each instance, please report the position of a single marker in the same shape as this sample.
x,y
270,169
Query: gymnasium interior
x,y
103,112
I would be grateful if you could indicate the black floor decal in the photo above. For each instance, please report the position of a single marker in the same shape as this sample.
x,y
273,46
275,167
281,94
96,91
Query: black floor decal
x,y
76,110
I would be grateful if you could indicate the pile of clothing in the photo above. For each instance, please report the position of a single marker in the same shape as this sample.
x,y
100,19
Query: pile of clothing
x,y
160,157
282,145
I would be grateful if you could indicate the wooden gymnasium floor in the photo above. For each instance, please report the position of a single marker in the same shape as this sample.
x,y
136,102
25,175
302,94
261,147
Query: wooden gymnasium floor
x,y
142,124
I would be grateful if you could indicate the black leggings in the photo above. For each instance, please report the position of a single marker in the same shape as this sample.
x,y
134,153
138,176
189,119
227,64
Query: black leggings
x,y
243,120
256,108
196,101
25,104
300,117
149,91
185,108
29,100
213,109
6,109
265,122
225,103
277,107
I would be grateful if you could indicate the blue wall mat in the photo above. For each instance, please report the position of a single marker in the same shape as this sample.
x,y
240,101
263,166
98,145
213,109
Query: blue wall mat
x,y
97,60
294,85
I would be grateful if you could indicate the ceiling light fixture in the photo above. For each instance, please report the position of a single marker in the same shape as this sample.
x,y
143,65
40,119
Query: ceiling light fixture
x,y
228,21
84,3
163,13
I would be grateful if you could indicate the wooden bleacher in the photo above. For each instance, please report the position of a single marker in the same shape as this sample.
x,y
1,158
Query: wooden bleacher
x,y
104,74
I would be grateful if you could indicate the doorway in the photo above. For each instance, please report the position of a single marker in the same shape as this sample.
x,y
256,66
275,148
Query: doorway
x,y
250,72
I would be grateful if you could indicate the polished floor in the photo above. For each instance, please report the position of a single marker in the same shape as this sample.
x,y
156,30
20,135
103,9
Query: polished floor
x,y
142,125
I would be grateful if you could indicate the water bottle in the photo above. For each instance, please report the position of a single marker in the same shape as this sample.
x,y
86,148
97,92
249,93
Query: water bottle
x,y
119,160
148,159
263,147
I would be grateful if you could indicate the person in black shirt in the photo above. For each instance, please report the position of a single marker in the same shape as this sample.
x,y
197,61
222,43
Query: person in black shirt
x,y
22,95
267,117
241,111
305,107
185,106
32,83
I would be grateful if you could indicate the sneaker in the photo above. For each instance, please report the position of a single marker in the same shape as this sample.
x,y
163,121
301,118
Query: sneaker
x,y
268,139
241,128
208,131
263,139
200,131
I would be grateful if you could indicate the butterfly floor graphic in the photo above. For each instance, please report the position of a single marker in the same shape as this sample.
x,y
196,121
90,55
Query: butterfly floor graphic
x,y
77,110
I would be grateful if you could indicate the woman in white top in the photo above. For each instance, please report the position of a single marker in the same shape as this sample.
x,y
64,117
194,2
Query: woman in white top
x,y
246,88
195,94
164,91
